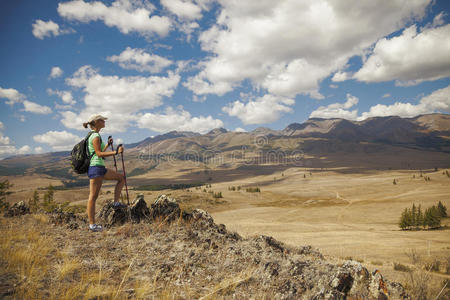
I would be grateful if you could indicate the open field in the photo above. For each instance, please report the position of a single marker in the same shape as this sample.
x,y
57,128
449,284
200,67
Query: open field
x,y
343,213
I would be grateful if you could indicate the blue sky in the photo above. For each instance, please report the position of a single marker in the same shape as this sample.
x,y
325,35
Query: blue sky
x,y
157,66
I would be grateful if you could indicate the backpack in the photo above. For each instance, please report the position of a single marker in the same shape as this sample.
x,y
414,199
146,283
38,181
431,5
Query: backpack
x,y
80,158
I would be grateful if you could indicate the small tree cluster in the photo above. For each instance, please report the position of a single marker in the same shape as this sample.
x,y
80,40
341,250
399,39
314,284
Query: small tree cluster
x,y
233,188
427,178
218,195
415,218
253,190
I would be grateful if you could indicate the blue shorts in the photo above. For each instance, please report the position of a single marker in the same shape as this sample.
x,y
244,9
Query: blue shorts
x,y
96,171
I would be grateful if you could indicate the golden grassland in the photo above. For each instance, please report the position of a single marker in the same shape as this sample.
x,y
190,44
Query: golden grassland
x,y
341,212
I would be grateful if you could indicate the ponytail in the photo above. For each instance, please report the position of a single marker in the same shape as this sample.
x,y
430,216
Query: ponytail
x,y
91,124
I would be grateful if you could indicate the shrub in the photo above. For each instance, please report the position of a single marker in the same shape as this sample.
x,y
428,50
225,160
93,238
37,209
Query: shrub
x,y
402,268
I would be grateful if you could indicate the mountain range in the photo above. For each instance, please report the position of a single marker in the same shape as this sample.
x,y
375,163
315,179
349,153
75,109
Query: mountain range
x,y
319,139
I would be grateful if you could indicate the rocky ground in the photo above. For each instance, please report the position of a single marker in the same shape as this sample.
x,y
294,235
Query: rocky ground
x,y
161,251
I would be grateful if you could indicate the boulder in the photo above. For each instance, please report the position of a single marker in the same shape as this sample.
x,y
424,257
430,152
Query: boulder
x,y
18,209
165,208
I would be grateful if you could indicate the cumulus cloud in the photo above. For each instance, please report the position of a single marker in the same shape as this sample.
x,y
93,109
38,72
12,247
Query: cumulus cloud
x,y
12,95
118,98
340,76
66,96
38,149
36,108
58,140
266,109
15,96
127,15
56,72
179,119
438,101
185,9
7,147
338,110
4,140
42,29
138,59
410,58
289,47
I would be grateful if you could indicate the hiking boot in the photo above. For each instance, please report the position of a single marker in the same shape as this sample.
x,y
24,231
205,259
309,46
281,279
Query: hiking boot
x,y
95,227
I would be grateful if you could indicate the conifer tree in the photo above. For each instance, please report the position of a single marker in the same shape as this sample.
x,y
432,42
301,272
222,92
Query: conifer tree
x,y
403,223
4,187
442,210
419,217
34,202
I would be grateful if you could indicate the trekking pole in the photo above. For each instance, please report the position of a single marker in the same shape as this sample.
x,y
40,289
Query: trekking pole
x,y
115,162
112,148
124,173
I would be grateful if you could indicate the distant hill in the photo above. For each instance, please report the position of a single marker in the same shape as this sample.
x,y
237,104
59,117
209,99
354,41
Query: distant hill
x,y
387,136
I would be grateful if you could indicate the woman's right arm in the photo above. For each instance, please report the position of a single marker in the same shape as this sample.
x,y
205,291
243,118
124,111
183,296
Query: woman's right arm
x,y
98,151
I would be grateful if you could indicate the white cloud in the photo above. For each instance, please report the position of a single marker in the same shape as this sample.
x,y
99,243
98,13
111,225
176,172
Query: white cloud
x,y
266,109
239,129
15,97
338,110
4,140
24,150
7,147
410,58
42,29
180,120
185,9
38,149
36,108
118,98
66,96
126,15
438,101
289,47
201,99
10,150
12,95
340,76
387,95
56,72
58,140
333,86
138,59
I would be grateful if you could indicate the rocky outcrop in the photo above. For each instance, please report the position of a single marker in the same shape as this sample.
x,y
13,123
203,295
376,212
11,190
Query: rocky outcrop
x,y
189,249
17,209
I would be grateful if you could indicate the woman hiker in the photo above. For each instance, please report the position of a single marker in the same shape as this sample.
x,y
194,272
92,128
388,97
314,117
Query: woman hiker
x,y
97,171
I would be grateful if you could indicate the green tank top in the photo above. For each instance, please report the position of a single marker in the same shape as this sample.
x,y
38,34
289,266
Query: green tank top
x,y
95,160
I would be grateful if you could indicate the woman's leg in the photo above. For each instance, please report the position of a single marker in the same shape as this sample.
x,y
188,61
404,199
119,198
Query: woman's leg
x,y
94,188
113,175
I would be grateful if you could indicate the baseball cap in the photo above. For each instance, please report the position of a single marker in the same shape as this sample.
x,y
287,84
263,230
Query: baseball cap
x,y
97,117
